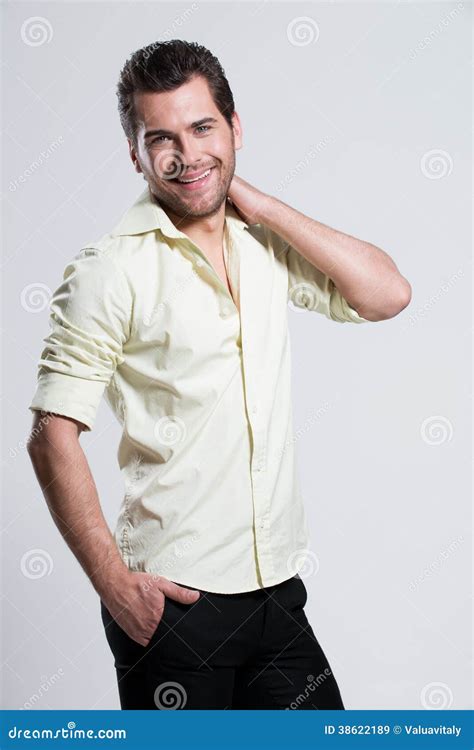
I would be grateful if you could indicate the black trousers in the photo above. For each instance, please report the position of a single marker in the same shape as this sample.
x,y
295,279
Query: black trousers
x,y
254,650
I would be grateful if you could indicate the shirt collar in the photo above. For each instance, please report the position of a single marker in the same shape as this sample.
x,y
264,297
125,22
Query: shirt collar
x,y
146,215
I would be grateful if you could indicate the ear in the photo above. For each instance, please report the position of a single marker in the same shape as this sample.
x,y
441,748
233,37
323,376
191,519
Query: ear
x,y
237,128
133,156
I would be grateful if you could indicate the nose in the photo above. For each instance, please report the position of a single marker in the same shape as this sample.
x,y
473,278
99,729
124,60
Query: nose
x,y
190,155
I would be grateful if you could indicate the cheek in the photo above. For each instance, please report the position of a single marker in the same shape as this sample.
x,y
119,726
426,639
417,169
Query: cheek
x,y
220,149
148,161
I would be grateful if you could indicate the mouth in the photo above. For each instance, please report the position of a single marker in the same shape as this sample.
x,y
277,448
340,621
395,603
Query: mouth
x,y
196,183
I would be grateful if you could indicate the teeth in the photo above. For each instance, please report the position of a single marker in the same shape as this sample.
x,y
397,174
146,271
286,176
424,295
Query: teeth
x,y
197,178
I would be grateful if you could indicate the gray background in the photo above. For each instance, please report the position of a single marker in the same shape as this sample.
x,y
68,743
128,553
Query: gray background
x,y
362,122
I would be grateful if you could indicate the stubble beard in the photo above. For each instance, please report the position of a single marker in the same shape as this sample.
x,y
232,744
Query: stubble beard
x,y
194,206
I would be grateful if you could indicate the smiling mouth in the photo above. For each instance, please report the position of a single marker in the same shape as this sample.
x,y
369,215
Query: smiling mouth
x,y
195,183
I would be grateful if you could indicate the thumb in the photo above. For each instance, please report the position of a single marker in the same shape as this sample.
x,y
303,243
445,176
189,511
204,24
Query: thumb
x,y
180,593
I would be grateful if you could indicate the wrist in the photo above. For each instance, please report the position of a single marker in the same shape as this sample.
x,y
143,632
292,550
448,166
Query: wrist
x,y
268,209
110,577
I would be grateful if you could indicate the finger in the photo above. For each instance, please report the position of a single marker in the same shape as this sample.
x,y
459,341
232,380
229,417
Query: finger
x,y
179,593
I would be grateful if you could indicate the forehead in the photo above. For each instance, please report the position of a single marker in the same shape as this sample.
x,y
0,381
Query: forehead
x,y
172,110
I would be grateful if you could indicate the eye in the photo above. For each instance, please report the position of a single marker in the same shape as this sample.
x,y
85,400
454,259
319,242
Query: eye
x,y
158,138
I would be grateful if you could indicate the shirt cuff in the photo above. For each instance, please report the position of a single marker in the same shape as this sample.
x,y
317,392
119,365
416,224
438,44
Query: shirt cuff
x,y
342,311
68,395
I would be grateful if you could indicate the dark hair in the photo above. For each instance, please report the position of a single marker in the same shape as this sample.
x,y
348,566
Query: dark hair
x,y
163,66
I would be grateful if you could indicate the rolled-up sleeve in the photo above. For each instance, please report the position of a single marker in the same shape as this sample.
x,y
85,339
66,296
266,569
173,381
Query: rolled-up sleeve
x,y
311,289
90,315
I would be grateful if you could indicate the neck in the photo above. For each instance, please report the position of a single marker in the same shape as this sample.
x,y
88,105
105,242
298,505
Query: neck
x,y
205,231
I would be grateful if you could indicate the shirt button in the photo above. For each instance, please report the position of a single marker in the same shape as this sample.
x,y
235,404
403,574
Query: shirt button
x,y
254,409
226,311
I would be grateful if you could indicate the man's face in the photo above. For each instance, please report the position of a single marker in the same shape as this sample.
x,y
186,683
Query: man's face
x,y
181,149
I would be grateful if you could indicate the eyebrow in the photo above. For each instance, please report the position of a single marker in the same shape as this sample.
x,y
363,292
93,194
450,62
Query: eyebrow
x,y
193,125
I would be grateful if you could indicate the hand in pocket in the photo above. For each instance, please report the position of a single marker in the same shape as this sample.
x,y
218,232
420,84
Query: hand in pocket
x,y
137,602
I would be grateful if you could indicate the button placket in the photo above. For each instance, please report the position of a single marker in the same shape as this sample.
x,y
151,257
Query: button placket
x,y
263,544
261,501
200,260
259,452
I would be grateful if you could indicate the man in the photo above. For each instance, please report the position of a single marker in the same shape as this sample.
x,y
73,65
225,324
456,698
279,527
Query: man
x,y
179,316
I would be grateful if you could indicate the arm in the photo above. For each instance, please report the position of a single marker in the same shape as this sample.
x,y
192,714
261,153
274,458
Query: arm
x,y
90,321
66,481
365,275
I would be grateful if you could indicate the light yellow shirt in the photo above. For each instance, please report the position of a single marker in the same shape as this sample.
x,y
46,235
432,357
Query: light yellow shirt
x,y
201,386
